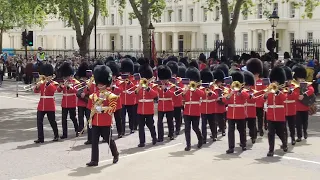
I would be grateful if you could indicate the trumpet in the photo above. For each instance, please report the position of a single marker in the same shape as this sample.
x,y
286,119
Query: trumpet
x,y
42,79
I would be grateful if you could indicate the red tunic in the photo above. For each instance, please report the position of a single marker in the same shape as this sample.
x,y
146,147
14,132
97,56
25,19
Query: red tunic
x,y
250,106
259,87
236,105
208,104
177,100
275,108
88,91
128,97
146,101
117,91
80,102
47,102
104,118
69,99
192,100
290,103
302,107
165,103
202,66
220,106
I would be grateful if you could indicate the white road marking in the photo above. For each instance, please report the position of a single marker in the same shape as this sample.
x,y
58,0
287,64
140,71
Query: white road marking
x,y
298,159
21,98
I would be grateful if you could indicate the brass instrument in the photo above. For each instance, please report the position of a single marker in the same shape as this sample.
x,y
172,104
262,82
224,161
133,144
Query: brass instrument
x,y
234,87
42,79
193,85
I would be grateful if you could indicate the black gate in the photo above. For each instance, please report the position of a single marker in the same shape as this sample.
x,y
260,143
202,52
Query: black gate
x,y
301,49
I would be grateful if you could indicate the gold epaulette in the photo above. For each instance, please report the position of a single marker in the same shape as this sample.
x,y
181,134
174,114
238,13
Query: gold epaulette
x,y
112,97
93,96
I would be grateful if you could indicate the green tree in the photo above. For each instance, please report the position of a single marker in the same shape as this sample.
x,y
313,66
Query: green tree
x,y
246,7
144,11
78,15
19,14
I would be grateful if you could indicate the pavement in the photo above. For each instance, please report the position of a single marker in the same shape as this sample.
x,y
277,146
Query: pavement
x,y
22,159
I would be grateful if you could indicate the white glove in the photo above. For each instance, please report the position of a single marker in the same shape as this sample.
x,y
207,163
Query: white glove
x,y
99,109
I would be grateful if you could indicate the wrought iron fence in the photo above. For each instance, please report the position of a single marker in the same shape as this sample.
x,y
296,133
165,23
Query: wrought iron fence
x,y
301,48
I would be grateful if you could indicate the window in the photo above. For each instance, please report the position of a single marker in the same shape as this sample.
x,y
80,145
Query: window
x,y
112,19
121,19
205,15
170,42
12,41
41,42
191,15
72,42
291,36
217,37
310,36
260,41
140,42
180,15
121,42
245,16
275,6
131,42
169,15
205,41
260,11
217,13
130,20
245,40
112,2
65,42
292,10
103,20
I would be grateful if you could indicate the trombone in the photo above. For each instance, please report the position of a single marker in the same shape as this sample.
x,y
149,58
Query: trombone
x,y
42,79
234,87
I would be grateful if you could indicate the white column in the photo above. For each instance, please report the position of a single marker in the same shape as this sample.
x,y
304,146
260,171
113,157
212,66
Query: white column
x,y
175,42
263,39
255,39
157,40
164,41
249,39
266,37
193,41
108,42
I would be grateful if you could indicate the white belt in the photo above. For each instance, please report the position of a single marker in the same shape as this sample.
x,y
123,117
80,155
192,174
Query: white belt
x,y
165,99
235,105
209,100
246,104
289,101
192,102
276,106
145,100
46,97
73,94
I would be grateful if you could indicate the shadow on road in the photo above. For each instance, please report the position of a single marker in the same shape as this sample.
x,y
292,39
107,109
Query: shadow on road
x,y
85,171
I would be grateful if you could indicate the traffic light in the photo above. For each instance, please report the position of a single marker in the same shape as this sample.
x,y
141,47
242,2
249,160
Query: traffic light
x,y
29,39
24,38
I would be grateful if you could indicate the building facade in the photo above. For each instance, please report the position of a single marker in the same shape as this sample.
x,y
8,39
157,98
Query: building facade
x,y
184,25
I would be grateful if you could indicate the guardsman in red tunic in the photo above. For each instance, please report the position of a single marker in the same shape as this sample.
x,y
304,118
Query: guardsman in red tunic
x,y
275,109
236,100
146,93
208,105
69,99
220,108
250,106
177,100
165,104
82,99
300,74
192,109
115,89
290,105
104,104
255,66
128,98
47,104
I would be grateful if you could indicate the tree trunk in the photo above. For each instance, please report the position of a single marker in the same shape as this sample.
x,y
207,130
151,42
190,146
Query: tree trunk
x,y
84,45
145,40
229,49
1,38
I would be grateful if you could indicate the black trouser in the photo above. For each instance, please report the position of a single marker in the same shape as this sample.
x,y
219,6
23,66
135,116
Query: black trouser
x,y
169,117
131,113
194,120
81,114
52,120
220,120
117,118
260,119
276,127
252,127
149,122
88,112
291,121
105,132
302,122
178,117
72,115
205,119
241,126
136,121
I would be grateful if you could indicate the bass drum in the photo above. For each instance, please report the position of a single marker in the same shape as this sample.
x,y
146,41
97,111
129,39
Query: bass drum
x,y
313,109
308,100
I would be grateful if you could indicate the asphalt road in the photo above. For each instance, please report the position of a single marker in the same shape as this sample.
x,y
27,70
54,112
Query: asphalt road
x,y
22,159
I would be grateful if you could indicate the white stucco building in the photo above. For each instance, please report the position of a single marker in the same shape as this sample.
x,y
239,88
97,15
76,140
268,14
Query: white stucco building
x,y
183,25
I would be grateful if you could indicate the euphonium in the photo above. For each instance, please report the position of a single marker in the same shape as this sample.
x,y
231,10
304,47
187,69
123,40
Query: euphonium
x,y
193,85
144,82
236,86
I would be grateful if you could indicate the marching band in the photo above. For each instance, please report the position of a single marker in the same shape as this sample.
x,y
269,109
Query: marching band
x,y
248,98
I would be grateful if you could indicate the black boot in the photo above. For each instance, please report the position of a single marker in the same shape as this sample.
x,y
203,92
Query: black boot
x,y
55,139
305,134
293,142
115,159
188,148
141,145
270,154
92,163
154,141
230,151
87,143
38,141
200,143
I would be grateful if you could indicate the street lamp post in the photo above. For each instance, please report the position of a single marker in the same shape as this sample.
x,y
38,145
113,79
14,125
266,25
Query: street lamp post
x,y
95,29
151,30
274,20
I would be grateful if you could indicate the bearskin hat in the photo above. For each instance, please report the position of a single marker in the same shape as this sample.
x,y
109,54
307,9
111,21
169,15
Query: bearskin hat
x,y
218,74
255,66
82,70
66,69
102,75
146,71
224,68
97,63
237,76
173,66
114,68
206,75
299,71
277,74
182,71
249,78
194,63
184,61
288,72
193,74
46,70
127,66
110,58
136,67
164,72
265,72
